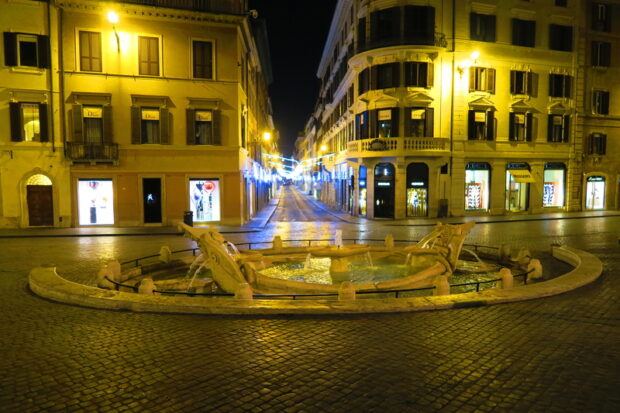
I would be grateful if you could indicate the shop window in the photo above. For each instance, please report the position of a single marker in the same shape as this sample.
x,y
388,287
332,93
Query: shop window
x,y
419,122
26,50
96,202
385,123
560,37
203,127
595,192
523,32
148,55
482,27
597,144
559,85
28,122
601,54
601,17
521,82
481,79
90,51
385,26
481,125
554,185
204,199
477,186
417,190
203,59
600,102
419,74
518,179
558,128
386,75
150,125
362,191
520,127
419,25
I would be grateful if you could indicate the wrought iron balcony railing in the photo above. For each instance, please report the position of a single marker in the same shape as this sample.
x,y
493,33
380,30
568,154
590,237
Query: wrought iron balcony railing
x,y
91,152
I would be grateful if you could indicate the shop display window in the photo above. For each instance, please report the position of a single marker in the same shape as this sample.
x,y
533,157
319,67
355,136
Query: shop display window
x,y
595,192
477,186
96,202
204,199
553,187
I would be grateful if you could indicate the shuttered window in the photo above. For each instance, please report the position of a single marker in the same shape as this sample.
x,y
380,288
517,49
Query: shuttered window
x,y
523,32
203,59
28,122
481,79
148,55
90,51
482,27
27,50
203,127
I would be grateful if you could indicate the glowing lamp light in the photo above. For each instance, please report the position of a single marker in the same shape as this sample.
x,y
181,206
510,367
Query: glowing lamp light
x,y
323,148
267,136
112,17
475,55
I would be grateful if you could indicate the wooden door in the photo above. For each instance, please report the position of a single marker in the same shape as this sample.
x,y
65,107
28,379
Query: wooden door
x,y
40,205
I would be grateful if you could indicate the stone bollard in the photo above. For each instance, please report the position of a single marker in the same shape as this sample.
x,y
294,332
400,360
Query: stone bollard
x,y
442,286
504,254
165,255
389,241
277,243
146,287
523,258
101,280
537,270
346,291
507,278
115,271
244,292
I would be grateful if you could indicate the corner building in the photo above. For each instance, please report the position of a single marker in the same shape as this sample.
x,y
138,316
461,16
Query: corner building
x,y
454,108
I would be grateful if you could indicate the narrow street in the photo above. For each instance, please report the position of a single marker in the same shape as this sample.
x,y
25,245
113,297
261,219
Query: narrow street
x,y
295,207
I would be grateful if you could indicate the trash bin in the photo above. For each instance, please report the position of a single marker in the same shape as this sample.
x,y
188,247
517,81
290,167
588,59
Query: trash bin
x,y
443,208
188,218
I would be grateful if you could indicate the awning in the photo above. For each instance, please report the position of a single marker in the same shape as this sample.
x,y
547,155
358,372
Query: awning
x,y
521,175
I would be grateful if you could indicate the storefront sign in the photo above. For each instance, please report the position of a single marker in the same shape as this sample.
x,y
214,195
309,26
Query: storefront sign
x,y
384,183
385,114
204,115
417,184
521,175
150,114
92,112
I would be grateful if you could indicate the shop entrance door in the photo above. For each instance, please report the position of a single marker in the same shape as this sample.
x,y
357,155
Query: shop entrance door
x,y
595,193
40,205
151,196
384,191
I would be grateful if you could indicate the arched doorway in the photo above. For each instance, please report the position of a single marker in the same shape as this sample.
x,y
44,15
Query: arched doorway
x,y
595,192
417,190
40,201
384,190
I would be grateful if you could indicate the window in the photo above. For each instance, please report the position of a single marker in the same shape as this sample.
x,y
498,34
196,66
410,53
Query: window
x,y
558,128
26,50
601,17
481,79
203,59
523,32
600,102
419,25
554,179
419,74
520,127
559,85
597,144
601,54
95,201
419,122
90,51
482,27
203,127
481,125
361,33
387,75
385,26
520,82
560,37
149,125
204,199
561,3
28,122
385,123
363,81
477,186
148,55
361,125
91,124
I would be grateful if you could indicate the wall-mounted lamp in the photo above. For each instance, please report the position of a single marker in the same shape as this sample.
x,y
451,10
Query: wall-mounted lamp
x,y
267,136
113,18
467,63
323,148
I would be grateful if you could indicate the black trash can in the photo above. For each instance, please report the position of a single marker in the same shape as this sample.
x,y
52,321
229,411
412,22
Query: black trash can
x,y
188,218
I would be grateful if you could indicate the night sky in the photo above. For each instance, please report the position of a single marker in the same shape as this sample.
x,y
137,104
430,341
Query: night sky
x,y
297,32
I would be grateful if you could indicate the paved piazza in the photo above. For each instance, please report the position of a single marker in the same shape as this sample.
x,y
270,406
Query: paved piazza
x,y
555,355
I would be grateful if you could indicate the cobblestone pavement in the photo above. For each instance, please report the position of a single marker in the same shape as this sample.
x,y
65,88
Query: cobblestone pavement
x,y
555,355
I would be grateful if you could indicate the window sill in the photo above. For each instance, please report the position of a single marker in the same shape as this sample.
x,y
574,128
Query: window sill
x,y
27,70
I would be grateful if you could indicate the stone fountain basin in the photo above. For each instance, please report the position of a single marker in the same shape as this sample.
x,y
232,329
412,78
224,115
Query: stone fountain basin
x,y
333,251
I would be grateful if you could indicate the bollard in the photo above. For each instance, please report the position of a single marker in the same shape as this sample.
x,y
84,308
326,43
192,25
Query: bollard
x,y
346,291
101,280
537,272
504,254
244,292
165,255
146,287
442,286
523,258
507,278
277,243
115,271
389,241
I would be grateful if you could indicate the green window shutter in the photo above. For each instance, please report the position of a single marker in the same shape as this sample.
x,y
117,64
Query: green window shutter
x,y
490,80
190,130
43,123
471,125
549,128
77,123
136,133
43,44
407,122
429,123
16,122
430,79
511,126
394,133
529,126
216,120
10,49
566,130
164,126
108,131
490,125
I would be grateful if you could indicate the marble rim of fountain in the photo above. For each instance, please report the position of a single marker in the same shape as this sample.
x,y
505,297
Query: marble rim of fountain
x,y
333,251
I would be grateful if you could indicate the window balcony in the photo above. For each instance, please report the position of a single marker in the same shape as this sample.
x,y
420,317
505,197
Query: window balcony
x,y
208,6
93,153
398,147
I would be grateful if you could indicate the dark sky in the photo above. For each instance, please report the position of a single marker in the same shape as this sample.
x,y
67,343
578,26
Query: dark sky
x,y
297,32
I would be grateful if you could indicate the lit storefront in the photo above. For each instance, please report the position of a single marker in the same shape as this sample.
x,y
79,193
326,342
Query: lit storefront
x,y
554,184
204,199
362,191
477,186
96,202
518,179
417,190
595,192
384,190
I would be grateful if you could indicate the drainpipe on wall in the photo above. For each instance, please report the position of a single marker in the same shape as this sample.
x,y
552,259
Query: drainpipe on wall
x,y
61,78
50,75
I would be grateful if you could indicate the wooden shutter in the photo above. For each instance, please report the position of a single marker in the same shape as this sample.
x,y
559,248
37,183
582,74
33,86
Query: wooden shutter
x,y
602,144
473,22
43,123
216,119
429,123
374,26
471,125
407,122
108,130
430,75
608,17
567,86
396,75
10,49
566,128
395,131
490,28
164,126
490,87
529,126
529,85
190,132
373,124
513,82
605,103
77,123
511,126
373,78
136,122
490,125
549,128
472,79
16,122
43,44
430,25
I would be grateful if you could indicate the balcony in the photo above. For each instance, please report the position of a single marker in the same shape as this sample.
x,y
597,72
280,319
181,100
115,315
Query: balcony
x,y
378,147
93,153
437,39
208,6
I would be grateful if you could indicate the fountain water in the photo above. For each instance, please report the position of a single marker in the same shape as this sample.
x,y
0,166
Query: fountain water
x,y
338,238
369,259
307,262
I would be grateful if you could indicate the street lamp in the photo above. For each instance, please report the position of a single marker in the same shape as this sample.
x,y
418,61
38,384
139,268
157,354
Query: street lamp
x,y
323,148
267,136
113,18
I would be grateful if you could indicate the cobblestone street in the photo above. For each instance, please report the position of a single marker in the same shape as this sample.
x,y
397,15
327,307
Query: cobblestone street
x,y
557,354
